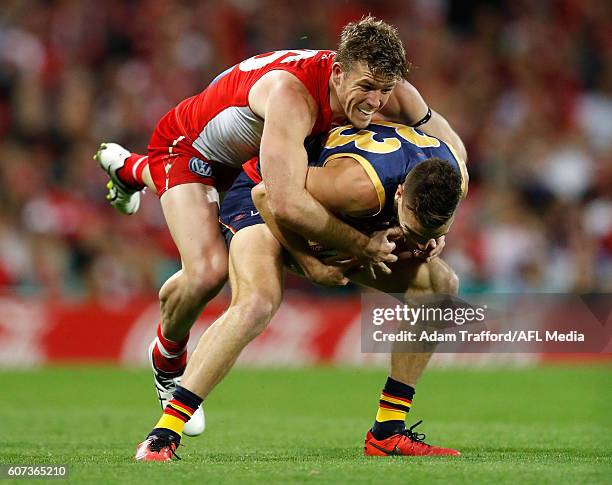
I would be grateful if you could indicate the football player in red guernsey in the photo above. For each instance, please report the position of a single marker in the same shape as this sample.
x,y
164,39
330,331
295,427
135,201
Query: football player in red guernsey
x,y
270,105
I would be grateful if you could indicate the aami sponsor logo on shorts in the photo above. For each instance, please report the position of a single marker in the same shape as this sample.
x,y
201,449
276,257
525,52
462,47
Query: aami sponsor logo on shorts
x,y
200,167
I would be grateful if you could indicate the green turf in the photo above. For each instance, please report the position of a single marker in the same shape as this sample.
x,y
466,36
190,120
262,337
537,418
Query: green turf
x,y
546,425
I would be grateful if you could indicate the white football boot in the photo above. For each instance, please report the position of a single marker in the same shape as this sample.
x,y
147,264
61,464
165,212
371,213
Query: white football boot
x,y
165,385
111,158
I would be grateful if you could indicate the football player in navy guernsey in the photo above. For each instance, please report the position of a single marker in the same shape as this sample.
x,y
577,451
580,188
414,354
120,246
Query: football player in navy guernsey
x,y
387,174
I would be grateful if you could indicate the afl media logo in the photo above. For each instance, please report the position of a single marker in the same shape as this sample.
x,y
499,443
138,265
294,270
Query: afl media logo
x,y
200,167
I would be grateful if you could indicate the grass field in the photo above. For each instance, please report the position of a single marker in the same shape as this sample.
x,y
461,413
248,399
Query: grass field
x,y
546,425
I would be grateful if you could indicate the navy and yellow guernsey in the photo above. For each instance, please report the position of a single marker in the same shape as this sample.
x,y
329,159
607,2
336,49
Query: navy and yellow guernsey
x,y
386,151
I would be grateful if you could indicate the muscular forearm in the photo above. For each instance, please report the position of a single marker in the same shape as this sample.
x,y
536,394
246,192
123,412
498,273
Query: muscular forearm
x,y
292,242
307,217
298,248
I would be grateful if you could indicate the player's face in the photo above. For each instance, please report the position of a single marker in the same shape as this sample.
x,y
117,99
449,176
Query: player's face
x,y
360,93
415,234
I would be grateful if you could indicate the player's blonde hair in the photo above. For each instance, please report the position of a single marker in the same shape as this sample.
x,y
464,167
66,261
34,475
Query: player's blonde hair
x,y
376,44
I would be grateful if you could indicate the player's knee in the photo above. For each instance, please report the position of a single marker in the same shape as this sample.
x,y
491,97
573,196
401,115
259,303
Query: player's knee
x,y
203,280
453,283
443,279
256,310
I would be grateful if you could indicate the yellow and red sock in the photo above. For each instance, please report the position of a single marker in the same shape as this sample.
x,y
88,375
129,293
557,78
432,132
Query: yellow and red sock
x,y
169,356
394,404
179,410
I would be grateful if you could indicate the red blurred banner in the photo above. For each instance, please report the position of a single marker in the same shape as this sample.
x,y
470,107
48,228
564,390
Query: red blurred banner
x,y
306,330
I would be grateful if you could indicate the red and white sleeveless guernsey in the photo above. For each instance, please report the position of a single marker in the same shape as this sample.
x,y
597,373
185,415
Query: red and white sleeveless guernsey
x,y
207,138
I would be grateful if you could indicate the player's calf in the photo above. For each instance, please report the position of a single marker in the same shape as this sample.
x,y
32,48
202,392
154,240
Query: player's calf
x,y
182,299
428,283
185,294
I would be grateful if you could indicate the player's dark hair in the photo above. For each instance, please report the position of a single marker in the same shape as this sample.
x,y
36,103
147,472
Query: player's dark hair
x,y
376,44
432,190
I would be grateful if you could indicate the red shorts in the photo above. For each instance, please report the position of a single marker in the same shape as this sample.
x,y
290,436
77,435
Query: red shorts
x,y
173,160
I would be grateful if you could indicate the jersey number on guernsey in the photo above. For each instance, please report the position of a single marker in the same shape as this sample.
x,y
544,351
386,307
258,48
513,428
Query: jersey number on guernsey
x,y
257,62
364,139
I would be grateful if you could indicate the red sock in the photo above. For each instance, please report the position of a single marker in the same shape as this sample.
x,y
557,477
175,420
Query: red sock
x,y
131,172
169,356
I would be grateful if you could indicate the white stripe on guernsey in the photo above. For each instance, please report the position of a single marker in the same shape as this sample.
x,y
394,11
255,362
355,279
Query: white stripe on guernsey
x,y
136,165
231,137
164,352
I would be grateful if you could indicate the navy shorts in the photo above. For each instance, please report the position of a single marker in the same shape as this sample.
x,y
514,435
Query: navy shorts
x,y
237,210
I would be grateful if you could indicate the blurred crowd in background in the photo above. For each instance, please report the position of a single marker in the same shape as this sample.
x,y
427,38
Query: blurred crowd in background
x,y
527,85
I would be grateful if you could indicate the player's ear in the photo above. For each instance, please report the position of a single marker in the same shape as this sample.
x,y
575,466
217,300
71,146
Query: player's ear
x,y
337,72
399,193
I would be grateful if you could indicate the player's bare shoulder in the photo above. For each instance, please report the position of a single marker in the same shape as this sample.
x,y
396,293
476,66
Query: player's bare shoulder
x,y
344,187
281,87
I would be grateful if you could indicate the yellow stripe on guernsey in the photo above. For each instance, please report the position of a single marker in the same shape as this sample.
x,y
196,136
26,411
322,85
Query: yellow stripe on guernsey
x,y
171,422
385,414
421,140
367,166
462,169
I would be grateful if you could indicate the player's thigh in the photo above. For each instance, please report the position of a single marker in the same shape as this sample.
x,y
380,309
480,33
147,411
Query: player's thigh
x,y
436,276
192,214
256,266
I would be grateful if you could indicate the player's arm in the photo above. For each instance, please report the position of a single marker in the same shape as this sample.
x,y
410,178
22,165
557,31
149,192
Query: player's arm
x,y
297,246
289,118
343,187
406,105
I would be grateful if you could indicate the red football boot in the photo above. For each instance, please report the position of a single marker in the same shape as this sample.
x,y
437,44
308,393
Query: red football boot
x,y
156,448
404,443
